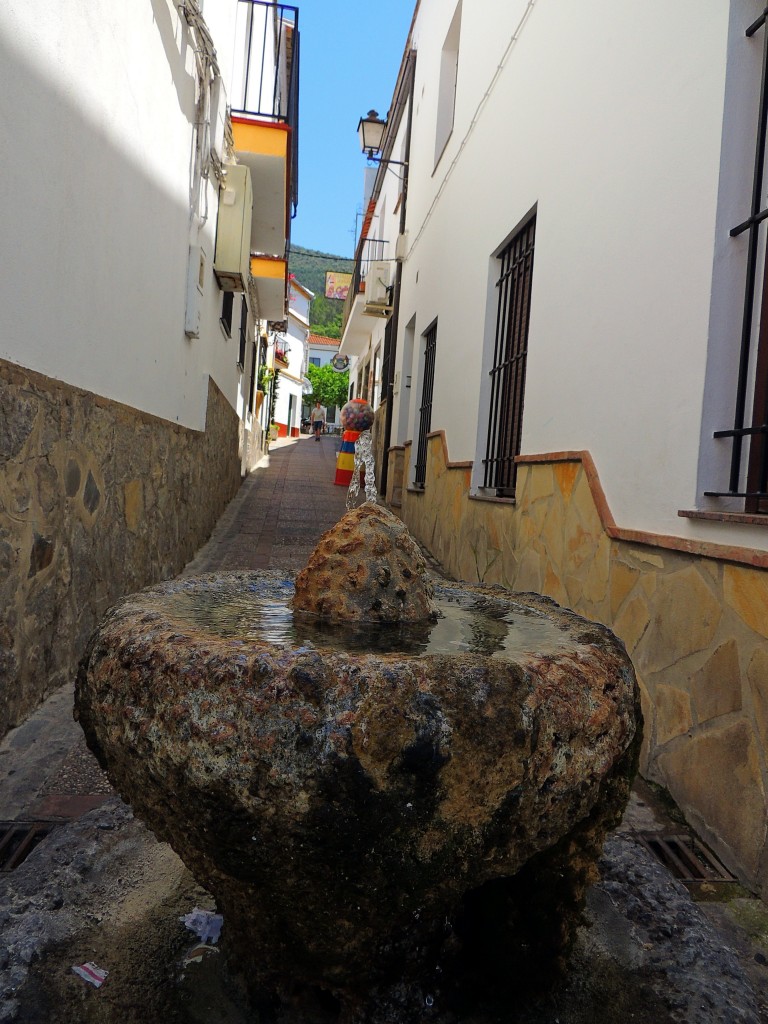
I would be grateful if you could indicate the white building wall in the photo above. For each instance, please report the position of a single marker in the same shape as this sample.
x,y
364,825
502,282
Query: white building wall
x,y
382,234
98,261
323,353
290,381
610,127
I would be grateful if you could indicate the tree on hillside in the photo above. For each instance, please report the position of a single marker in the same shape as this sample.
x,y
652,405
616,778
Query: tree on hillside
x,y
309,267
325,316
328,385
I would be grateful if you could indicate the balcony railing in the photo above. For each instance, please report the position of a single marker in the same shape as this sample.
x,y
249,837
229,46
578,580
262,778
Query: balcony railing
x,y
266,74
282,348
369,251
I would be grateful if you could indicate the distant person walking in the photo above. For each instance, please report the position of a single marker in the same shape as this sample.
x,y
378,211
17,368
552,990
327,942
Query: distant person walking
x,y
317,419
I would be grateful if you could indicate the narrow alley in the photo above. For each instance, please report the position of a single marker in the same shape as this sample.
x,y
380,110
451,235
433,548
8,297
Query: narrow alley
x,y
567,398
99,888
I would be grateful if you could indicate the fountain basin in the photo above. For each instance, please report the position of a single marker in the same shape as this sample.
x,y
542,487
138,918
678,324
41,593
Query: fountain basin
x,y
360,814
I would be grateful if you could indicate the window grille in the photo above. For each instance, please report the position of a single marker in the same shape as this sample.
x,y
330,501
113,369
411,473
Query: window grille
x,y
755,490
386,369
425,409
226,312
252,384
509,361
243,333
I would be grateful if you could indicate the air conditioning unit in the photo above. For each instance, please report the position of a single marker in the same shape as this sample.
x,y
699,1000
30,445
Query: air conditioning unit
x,y
232,261
378,294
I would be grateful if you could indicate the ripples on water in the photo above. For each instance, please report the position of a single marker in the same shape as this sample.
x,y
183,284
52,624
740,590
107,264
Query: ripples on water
x,y
464,624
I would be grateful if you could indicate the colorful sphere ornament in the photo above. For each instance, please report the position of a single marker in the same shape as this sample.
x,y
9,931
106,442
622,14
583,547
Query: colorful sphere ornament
x,y
357,415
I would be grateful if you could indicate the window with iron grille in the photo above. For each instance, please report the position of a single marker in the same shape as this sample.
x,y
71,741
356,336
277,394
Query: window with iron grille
x,y
386,367
252,383
243,333
425,409
749,468
510,352
226,312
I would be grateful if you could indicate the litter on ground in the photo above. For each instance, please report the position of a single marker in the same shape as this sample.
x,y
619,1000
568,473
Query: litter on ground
x,y
91,973
204,923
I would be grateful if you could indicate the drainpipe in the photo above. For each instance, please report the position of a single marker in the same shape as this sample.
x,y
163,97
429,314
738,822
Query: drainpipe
x,y
390,383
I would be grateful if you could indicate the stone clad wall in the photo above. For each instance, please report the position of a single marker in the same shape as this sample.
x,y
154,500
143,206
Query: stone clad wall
x,y
377,432
695,624
96,500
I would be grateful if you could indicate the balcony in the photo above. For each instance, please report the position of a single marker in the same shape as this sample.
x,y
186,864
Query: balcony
x,y
269,275
265,120
282,349
368,298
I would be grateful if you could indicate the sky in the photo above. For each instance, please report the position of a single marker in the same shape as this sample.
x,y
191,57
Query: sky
x,y
349,59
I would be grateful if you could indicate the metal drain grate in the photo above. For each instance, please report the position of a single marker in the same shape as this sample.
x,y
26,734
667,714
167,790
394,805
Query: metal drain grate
x,y
18,839
687,859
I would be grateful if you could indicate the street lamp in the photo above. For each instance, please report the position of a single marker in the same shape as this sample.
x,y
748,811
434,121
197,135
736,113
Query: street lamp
x,y
371,130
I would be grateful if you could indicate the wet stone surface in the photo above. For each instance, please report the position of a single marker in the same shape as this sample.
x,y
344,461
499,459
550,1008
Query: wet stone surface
x,y
372,826
367,568
103,889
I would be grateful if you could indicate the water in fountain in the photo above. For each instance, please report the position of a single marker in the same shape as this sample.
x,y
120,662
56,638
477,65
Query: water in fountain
x,y
262,612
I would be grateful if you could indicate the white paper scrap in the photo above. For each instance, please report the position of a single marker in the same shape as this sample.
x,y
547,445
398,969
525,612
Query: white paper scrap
x,y
204,923
91,973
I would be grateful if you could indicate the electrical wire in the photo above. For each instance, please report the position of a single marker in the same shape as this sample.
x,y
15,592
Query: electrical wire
x,y
207,74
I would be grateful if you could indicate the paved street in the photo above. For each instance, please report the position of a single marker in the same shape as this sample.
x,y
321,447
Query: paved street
x,y
273,522
280,511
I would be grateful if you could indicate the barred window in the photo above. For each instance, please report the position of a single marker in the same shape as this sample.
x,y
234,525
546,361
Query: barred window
x,y
226,312
425,409
509,361
252,382
243,333
748,478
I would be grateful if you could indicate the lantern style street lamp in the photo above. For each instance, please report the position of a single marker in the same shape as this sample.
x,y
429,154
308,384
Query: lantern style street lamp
x,y
371,131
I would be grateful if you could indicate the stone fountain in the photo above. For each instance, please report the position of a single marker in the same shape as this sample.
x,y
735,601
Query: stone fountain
x,y
396,789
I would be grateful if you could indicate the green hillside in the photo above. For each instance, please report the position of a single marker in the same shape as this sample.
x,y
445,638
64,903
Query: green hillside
x,y
308,267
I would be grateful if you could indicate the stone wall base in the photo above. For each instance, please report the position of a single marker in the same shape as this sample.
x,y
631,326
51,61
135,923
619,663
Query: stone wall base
x,y
96,500
254,445
694,618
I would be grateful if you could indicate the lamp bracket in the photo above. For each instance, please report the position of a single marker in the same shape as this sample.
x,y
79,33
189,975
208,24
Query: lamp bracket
x,y
381,160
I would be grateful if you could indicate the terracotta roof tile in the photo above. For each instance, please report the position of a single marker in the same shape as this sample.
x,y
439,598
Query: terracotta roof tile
x,y
319,339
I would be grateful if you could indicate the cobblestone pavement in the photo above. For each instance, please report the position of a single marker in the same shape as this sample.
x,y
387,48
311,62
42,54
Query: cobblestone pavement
x,y
273,522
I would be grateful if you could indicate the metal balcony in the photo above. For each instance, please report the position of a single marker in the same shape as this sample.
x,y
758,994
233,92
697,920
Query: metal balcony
x,y
264,97
358,317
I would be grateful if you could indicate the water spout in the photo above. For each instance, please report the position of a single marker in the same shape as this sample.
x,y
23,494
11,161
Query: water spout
x,y
363,463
